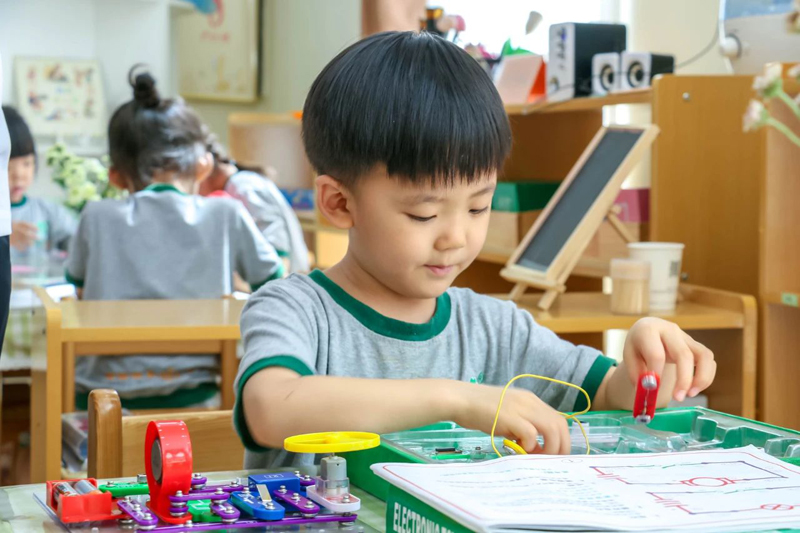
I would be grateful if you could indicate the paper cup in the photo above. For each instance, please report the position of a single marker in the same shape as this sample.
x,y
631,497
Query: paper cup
x,y
665,270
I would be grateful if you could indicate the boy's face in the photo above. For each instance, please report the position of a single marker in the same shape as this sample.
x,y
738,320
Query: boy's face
x,y
20,176
415,239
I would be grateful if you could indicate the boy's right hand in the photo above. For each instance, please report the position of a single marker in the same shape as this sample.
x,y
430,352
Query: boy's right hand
x,y
523,417
23,234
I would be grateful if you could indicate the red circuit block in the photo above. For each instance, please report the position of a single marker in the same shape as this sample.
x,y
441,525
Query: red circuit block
x,y
644,406
76,507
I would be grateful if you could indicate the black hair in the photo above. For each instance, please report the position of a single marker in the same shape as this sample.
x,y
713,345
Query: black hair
x,y
149,134
220,155
414,102
20,134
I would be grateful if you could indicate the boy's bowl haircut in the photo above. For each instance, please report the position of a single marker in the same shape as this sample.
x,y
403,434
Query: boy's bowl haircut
x,y
412,102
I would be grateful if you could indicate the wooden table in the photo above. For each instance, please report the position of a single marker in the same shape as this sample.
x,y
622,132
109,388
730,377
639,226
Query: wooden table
x,y
724,321
19,510
85,328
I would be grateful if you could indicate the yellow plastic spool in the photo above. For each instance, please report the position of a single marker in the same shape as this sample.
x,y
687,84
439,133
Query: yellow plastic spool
x,y
332,442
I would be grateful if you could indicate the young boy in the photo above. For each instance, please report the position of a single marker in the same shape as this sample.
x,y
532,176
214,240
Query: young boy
x,y
407,134
27,212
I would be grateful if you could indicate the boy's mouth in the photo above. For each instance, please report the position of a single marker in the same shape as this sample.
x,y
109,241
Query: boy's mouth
x,y
440,270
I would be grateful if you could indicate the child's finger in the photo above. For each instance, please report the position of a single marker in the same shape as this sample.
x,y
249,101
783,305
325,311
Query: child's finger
x,y
526,435
680,354
552,437
705,367
566,439
647,353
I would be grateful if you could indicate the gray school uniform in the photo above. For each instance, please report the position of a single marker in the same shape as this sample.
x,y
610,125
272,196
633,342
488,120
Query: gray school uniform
x,y
162,244
312,326
61,222
273,216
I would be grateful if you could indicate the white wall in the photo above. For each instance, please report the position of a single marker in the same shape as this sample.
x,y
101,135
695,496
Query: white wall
x,y
679,27
129,32
44,28
299,38
118,33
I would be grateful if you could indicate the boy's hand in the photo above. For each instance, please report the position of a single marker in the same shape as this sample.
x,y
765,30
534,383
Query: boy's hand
x,y
523,417
652,342
23,234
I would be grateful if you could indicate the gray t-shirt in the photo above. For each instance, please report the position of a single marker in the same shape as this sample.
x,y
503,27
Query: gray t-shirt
x,y
311,325
273,216
162,244
61,223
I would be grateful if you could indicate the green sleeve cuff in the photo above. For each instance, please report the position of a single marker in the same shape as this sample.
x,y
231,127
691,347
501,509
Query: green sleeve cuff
x,y
593,379
278,274
239,422
75,281
282,253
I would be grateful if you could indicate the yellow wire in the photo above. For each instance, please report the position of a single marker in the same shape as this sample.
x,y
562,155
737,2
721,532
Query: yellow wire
x,y
516,447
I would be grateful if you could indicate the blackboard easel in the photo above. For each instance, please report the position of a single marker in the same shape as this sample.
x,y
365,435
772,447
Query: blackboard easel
x,y
555,243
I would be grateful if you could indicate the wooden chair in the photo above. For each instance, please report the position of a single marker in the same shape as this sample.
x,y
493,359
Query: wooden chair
x,y
116,443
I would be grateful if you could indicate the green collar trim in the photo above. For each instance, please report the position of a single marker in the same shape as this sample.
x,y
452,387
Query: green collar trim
x,y
383,325
21,202
162,187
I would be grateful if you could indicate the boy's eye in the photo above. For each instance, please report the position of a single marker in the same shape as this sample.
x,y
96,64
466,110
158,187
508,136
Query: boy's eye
x,y
420,219
479,211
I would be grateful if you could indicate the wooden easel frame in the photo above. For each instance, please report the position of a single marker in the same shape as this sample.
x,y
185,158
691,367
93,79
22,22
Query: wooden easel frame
x,y
553,279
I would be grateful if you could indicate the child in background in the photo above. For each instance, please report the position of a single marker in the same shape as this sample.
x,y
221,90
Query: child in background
x,y
31,216
163,241
407,134
265,203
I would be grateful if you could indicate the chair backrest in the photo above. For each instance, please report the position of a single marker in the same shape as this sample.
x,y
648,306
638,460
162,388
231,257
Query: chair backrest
x,y
116,443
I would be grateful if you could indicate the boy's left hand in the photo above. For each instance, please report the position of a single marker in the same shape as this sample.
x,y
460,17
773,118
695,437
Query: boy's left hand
x,y
652,342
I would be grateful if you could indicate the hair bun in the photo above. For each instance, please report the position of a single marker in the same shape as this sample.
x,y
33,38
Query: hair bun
x,y
144,89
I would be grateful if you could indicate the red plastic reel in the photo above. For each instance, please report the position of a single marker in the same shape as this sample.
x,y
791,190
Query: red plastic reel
x,y
644,406
168,462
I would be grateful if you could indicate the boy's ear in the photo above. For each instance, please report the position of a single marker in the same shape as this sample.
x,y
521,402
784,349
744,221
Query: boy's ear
x,y
333,200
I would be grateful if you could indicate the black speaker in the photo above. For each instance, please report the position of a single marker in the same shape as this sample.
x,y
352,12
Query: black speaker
x,y
572,46
605,73
637,69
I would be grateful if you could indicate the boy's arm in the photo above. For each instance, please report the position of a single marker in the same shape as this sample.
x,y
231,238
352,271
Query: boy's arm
x,y
279,403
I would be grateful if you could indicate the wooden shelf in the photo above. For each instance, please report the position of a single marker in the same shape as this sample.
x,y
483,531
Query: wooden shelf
x,y
637,96
581,312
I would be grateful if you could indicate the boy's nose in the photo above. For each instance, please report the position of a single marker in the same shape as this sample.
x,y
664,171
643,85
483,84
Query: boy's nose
x,y
452,238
